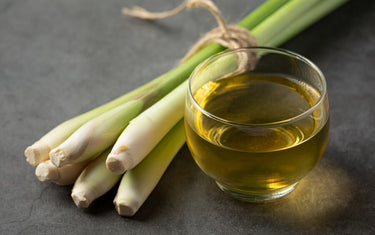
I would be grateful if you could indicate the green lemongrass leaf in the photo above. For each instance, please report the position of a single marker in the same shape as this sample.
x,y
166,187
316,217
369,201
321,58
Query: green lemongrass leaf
x,y
318,11
262,13
281,19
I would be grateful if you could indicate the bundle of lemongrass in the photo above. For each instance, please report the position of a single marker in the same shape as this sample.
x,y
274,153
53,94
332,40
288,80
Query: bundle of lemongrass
x,y
136,136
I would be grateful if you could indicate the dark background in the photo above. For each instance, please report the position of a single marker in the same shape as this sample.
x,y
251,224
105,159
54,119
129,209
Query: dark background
x,y
59,58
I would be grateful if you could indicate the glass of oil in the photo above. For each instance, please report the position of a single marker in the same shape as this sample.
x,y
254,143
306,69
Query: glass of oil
x,y
257,120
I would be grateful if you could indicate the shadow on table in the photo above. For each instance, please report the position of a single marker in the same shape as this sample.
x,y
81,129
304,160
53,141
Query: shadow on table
x,y
323,196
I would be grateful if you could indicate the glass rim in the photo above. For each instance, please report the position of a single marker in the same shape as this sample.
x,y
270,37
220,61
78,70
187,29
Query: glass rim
x,y
269,124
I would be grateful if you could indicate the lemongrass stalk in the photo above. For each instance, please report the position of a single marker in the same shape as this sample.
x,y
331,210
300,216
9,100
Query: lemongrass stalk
x,y
262,13
38,152
96,135
137,184
155,89
281,19
94,181
146,130
66,175
318,11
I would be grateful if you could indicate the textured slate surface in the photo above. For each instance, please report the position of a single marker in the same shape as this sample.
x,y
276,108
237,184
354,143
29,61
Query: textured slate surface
x,y
61,58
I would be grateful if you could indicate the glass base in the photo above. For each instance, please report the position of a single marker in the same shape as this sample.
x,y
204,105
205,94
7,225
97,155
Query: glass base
x,y
251,197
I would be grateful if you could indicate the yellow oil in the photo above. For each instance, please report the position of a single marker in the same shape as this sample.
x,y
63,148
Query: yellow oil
x,y
258,152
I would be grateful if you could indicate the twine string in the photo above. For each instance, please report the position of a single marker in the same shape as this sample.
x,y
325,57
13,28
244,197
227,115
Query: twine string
x,y
230,36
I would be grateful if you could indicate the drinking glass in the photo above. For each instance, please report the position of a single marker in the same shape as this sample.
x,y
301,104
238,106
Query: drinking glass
x,y
257,120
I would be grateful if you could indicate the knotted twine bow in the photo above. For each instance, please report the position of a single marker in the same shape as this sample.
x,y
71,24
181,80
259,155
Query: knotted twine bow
x,y
230,36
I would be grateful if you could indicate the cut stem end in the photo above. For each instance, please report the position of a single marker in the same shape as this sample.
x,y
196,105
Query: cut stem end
x,y
46,173
57,157
37,153
116,164
126,209
81,199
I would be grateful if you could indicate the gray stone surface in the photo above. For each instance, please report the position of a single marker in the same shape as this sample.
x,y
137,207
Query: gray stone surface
x,y
61,58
